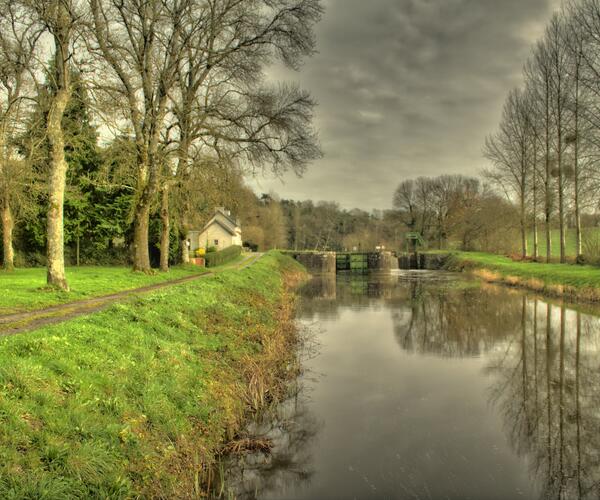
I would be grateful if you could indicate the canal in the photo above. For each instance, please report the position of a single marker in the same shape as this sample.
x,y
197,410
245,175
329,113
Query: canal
x,y
429,385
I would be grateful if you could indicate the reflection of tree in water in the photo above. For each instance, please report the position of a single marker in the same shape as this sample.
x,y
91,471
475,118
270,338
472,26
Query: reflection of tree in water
x,y
430,313
291,431
453,321
546,384
325,295
319,298
544,365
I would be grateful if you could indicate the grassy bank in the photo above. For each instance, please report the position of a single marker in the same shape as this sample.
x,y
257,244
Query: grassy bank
x,y
136,400
23,289
560,280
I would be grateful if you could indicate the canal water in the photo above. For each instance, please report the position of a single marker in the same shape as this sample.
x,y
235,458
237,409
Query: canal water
x,y
426,385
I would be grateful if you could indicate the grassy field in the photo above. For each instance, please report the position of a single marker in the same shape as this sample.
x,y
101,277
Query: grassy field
x,y
556,279
591,232
135,401
23,289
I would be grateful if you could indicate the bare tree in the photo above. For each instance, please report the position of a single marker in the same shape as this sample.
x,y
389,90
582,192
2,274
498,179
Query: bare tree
x,y
509,152
138,44
221,106
149,46
584,49
538,84
59,19
414,202
534,133
560,82
19,35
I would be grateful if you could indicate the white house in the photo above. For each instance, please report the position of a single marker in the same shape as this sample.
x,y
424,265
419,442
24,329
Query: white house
x,y
221,231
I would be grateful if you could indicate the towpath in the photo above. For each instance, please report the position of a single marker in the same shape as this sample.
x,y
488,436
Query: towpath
x,y
22,322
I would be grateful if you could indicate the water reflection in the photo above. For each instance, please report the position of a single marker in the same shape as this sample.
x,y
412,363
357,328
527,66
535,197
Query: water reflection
x,y
546,385
291,431
435,387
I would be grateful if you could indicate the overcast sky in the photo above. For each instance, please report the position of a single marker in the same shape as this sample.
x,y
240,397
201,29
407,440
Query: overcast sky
x,y
408,88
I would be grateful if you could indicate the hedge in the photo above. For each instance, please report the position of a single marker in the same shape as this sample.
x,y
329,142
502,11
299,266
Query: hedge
x,y
214,259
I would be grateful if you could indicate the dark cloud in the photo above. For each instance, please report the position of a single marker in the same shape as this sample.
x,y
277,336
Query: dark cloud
x,y
408,88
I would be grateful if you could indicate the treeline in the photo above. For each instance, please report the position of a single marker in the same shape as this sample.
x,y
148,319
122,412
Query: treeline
x,y
545,152
268,222
445,211
455,211
177,92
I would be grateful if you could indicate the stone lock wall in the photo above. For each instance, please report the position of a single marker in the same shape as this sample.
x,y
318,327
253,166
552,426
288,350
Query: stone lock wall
x,y
318,263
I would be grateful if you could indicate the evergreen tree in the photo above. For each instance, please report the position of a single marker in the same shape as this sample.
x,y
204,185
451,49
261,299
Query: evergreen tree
x,y
95,212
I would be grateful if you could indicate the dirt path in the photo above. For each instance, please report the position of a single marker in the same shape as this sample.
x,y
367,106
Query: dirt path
x,y
26,321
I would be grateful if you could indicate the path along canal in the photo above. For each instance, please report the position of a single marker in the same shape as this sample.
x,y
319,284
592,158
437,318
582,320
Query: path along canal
x,y
427,385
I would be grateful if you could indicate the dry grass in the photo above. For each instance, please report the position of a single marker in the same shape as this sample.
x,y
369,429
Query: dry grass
x,y
567,281
535,285
587,294
487,275
513,281
244,445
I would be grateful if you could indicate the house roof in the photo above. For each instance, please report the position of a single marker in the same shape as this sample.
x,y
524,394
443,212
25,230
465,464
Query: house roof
x,y
223,219
227,215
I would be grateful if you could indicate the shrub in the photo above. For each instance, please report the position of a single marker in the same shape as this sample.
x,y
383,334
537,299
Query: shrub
x,y
211,249
200,252
214,259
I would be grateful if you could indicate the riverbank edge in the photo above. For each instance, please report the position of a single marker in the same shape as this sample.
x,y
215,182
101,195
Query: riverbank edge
x,y
141,399
570,282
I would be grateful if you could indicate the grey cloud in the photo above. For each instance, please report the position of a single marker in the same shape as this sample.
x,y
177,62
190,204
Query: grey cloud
x,y
407,88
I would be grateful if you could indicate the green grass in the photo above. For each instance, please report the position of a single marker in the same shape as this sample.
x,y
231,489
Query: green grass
x,y
23,289
550,274
132,401
593,232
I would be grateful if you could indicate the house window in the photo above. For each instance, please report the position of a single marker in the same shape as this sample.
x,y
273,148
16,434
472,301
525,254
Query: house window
x,y
216,243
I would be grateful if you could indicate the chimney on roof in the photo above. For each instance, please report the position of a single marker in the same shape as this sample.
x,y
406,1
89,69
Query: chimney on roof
x,y
223,210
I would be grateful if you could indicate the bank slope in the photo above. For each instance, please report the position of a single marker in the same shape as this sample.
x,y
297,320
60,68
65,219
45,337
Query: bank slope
x,y
561,280
137,399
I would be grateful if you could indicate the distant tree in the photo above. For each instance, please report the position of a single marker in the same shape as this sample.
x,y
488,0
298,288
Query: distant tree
x,y
414,203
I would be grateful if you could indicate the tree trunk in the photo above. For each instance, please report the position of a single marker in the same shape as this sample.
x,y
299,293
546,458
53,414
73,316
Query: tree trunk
x,y
183,179
141,255
523,207
547,194
56,191
523,228
165,229
536,239
561,198
58,164
576,169
559,154
7,217
536,243
7,237
185,251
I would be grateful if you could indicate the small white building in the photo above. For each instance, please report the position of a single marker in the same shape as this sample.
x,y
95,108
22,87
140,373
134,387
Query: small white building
x,y
221,231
